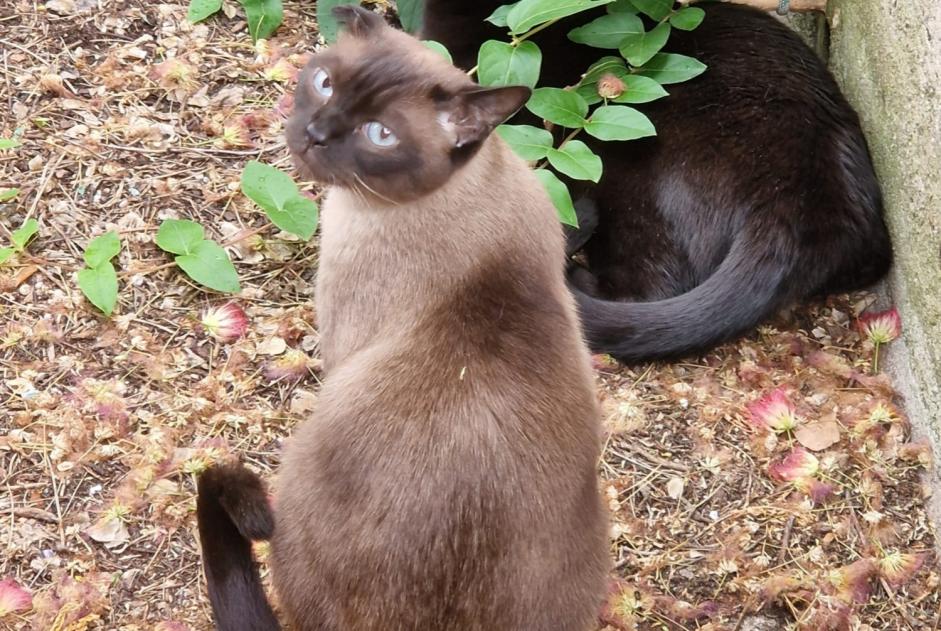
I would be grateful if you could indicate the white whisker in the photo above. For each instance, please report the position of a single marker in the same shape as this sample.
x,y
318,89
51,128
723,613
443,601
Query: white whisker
x,y
366,186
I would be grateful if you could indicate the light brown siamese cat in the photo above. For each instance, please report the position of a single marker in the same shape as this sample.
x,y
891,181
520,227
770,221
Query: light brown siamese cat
x,y
447,479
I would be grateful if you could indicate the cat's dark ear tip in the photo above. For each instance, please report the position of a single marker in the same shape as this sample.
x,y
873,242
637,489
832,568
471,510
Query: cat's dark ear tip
x,y
518,95
357,20
524,92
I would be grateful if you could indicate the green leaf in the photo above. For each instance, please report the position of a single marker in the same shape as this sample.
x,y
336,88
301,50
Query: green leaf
x,y
589,93
326,21
638,49
640,90
199,10
498,17
8,194
439,48
100,286
562,107
656,9
277,194
410,14
9,143
530,143
576,160
267,186
605,65
607,31
210,266
559,194
6,254
622,6
264,17
666,68
24,233
499,63
687,19
179,236
102,249
299,217
619,122
529,13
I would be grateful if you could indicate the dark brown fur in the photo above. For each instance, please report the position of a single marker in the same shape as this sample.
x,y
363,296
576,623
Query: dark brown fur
x,y
758,190
447,480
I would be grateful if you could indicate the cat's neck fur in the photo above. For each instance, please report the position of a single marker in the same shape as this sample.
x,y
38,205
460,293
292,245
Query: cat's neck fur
x,y
384,265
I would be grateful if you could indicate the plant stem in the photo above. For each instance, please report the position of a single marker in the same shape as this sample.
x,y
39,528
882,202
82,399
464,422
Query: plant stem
x,y
516,41
522,38
875,359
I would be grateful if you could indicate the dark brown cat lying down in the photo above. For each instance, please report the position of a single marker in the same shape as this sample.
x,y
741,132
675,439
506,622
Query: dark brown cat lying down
x,y
757,192
447,479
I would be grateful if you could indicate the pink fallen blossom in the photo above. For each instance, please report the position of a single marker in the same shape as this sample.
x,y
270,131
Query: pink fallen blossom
x,y
293,364
13,598
226,323
852,583
800,463
881,327
897,568
773,411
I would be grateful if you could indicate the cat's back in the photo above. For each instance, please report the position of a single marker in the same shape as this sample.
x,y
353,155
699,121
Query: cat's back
x,y
454,464
759,71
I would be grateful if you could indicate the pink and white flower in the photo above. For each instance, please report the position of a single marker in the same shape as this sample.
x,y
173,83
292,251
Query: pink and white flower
x,y
773,411
881,327
226,323
175,73
235,133
13,598
800,468
282,71
852,583
293,364
897,568
610,86
800,463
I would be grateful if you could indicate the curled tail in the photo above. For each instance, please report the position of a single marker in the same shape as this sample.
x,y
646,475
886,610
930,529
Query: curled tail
x,y
746,288
232,510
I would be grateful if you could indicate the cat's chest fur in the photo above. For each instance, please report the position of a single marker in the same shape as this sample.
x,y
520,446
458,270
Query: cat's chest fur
x,y
377,276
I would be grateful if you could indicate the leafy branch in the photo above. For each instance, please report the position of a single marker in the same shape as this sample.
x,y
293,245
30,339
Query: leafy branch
x,y
635,76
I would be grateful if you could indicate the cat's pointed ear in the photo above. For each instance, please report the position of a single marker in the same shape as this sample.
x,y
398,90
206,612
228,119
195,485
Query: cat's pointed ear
x,y
357,20
477,112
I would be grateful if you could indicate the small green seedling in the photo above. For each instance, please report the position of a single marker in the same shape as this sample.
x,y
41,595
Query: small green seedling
x,y
264,16
202,259
277,194
20,238
98,280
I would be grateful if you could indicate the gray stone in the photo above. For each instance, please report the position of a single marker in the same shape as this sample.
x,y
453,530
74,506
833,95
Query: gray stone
x,y
887,57
761,623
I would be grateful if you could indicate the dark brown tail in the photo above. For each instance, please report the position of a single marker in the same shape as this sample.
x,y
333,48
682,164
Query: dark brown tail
x,y
744,290
232,510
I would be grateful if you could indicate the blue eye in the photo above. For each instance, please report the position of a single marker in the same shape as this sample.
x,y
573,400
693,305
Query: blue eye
x,y
322,83
379,134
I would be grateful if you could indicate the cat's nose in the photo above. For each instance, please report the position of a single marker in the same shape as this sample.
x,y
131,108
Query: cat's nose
x,y
316,134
